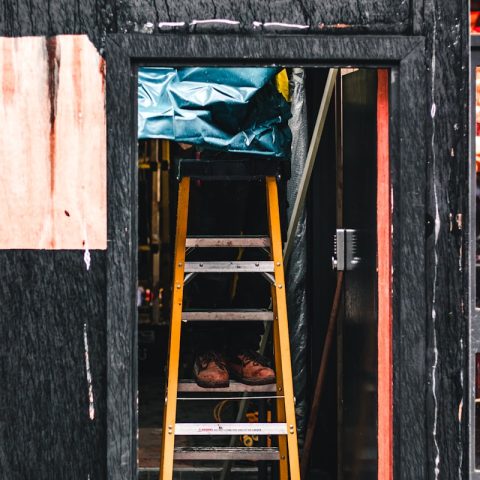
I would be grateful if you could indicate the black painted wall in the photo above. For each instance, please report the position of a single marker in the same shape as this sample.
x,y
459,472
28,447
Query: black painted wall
x,y
447,97
48,299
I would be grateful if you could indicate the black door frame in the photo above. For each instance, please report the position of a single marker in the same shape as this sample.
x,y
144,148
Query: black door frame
x,y
474,310
408,164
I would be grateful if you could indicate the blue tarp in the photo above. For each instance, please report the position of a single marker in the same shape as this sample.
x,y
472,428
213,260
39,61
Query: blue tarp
x,y
232,109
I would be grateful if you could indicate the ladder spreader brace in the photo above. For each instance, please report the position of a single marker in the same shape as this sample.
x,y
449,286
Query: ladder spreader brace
x,y
285,426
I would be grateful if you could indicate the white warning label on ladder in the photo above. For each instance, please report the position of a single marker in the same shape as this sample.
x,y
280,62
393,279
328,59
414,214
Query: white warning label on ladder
x,y
230,429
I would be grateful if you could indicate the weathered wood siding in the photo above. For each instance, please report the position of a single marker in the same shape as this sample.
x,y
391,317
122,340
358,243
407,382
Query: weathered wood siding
x,y
46,298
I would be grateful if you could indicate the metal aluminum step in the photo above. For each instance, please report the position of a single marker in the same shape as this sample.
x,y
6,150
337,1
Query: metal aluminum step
x,y
230,267
189,386
253,454
228,242
227,315
230,429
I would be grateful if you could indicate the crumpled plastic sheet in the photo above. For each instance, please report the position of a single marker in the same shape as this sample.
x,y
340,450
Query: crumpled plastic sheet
x,y
296,277
233,109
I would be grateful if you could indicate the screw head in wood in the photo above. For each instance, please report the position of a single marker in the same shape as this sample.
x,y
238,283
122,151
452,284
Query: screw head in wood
x,y
178,285
180,264
292,430
280,285
278,264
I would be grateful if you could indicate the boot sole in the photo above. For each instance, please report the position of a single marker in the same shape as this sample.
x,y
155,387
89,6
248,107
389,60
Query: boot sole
x,y
253,382
203,384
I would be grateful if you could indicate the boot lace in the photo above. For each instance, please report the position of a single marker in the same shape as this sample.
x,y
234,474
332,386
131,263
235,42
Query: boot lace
x,y
205,358
250,356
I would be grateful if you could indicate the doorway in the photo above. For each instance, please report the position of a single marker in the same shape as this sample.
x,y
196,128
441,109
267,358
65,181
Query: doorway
x,y
343,204
404,58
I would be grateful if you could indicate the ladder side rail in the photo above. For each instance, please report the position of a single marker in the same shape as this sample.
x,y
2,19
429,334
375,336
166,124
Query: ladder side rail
x,y
169,417
280,402
282,325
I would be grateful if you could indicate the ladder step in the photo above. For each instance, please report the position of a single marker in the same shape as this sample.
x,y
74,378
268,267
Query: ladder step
x,y
253,454
231,429
229,267
233,241
228,315
189,386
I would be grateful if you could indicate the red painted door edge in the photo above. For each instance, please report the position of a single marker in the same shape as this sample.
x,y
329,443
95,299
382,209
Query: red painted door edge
x,y
384,265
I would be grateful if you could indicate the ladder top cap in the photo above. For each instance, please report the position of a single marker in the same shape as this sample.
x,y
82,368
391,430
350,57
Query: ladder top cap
x,y
246,169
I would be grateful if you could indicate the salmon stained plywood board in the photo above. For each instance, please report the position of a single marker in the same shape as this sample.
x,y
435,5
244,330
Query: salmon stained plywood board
x,y
52,144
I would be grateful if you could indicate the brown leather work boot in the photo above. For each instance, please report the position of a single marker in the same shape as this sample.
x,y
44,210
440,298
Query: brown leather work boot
x,y
251,368
210,371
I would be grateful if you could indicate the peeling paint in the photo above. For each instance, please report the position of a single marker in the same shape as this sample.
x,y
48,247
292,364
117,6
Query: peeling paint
x,y
55,89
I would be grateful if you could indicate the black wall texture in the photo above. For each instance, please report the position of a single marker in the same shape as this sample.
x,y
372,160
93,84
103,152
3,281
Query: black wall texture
x,y
49,302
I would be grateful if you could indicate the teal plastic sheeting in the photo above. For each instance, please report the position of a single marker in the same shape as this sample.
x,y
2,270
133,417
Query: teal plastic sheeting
x,y
233,109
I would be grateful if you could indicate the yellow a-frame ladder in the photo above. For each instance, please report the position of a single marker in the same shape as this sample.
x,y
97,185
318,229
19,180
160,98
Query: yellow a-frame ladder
x,y
285,428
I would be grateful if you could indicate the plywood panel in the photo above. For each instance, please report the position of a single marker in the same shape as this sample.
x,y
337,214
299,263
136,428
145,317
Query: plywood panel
x,y
52,144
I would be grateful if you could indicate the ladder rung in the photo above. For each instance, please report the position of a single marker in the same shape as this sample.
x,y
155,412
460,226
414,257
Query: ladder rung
x,y
189,386
234,242
229,267
253,454
228,315
231,429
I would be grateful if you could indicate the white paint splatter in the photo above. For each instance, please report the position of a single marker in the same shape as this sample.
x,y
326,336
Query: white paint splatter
x,y
286,25
147,28
434,387
220,21
86,255
433,111
91,405
87,258
170,24
460,413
